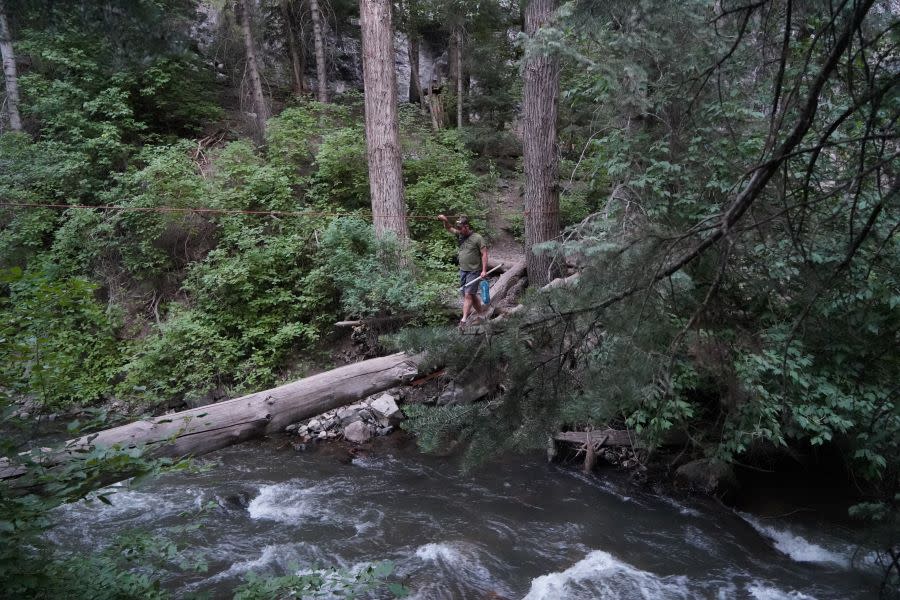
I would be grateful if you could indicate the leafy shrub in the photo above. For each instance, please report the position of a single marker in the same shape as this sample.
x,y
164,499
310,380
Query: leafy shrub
x,y
439,180
293,136
342,175
368,273
253,301
57,343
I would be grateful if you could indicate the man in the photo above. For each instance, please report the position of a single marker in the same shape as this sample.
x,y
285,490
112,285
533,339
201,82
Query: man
x,y
473,260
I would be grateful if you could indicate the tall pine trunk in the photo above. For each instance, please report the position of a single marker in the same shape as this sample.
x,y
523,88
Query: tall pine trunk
x,y
297,62
259,100
541,162
319,41
382,129
9,72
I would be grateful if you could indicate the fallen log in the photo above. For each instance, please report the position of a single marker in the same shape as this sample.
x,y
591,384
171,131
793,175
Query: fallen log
x,y
599,438
200,430
590,442
506,281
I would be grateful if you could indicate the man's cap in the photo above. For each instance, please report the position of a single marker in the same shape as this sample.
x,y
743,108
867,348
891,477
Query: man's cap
x,y
462,220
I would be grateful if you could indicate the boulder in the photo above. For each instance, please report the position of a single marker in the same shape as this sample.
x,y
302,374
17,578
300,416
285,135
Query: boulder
x,y
707,475
358,432
386,406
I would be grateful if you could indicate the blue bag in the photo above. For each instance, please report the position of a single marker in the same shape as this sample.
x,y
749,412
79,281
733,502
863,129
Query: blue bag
x,y
485,292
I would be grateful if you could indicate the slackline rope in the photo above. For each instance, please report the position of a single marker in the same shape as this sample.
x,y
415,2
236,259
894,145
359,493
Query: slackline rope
x,y
229,211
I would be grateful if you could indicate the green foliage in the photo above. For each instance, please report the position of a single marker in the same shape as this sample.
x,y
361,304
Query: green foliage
x,y
438,180
342,176
293,137
57,342
131,567
369,275
254,302
782,332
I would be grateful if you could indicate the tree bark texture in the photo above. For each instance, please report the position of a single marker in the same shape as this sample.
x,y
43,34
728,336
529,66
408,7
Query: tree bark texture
x,y
541,93
200,430
382,129
297,59
259,100
319,41
506,282
436,106
9,72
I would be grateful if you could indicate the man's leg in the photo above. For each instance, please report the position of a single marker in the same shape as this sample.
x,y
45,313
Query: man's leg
x,y
476,302
467,306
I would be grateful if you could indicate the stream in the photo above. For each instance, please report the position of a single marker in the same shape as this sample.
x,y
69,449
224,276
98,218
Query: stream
x,y
516,528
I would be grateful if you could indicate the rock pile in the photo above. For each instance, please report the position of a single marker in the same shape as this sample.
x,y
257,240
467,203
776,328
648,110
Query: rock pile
x,y
358,423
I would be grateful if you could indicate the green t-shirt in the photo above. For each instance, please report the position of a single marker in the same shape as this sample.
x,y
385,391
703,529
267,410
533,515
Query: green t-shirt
x,y
470,252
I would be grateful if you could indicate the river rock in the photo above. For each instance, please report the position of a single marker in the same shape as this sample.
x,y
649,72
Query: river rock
x,y
358,432
314,425
707,475
348,415
387,407
235,501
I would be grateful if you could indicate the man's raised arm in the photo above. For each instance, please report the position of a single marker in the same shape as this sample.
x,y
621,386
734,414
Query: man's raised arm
x,y
443,219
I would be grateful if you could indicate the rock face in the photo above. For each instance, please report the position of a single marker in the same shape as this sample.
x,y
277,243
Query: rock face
x,y
342,44
707,475
357,423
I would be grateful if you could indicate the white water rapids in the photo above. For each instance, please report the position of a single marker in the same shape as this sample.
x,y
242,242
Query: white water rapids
x,y
516,529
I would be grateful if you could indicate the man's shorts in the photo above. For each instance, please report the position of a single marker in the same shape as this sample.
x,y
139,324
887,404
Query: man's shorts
x,y
465,281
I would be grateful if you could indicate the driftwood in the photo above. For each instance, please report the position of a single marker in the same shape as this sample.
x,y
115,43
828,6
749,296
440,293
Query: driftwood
x,y
590,442
599,438
201,430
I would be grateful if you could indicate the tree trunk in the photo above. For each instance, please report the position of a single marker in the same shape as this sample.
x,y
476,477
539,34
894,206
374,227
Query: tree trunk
x,y
9,72
415,83
297,62
541,161
451,60
256,91
319,40
382,130
459,78
201,430
436,106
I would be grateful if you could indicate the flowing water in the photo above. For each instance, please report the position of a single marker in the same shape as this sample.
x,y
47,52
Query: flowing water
x,y
514,529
